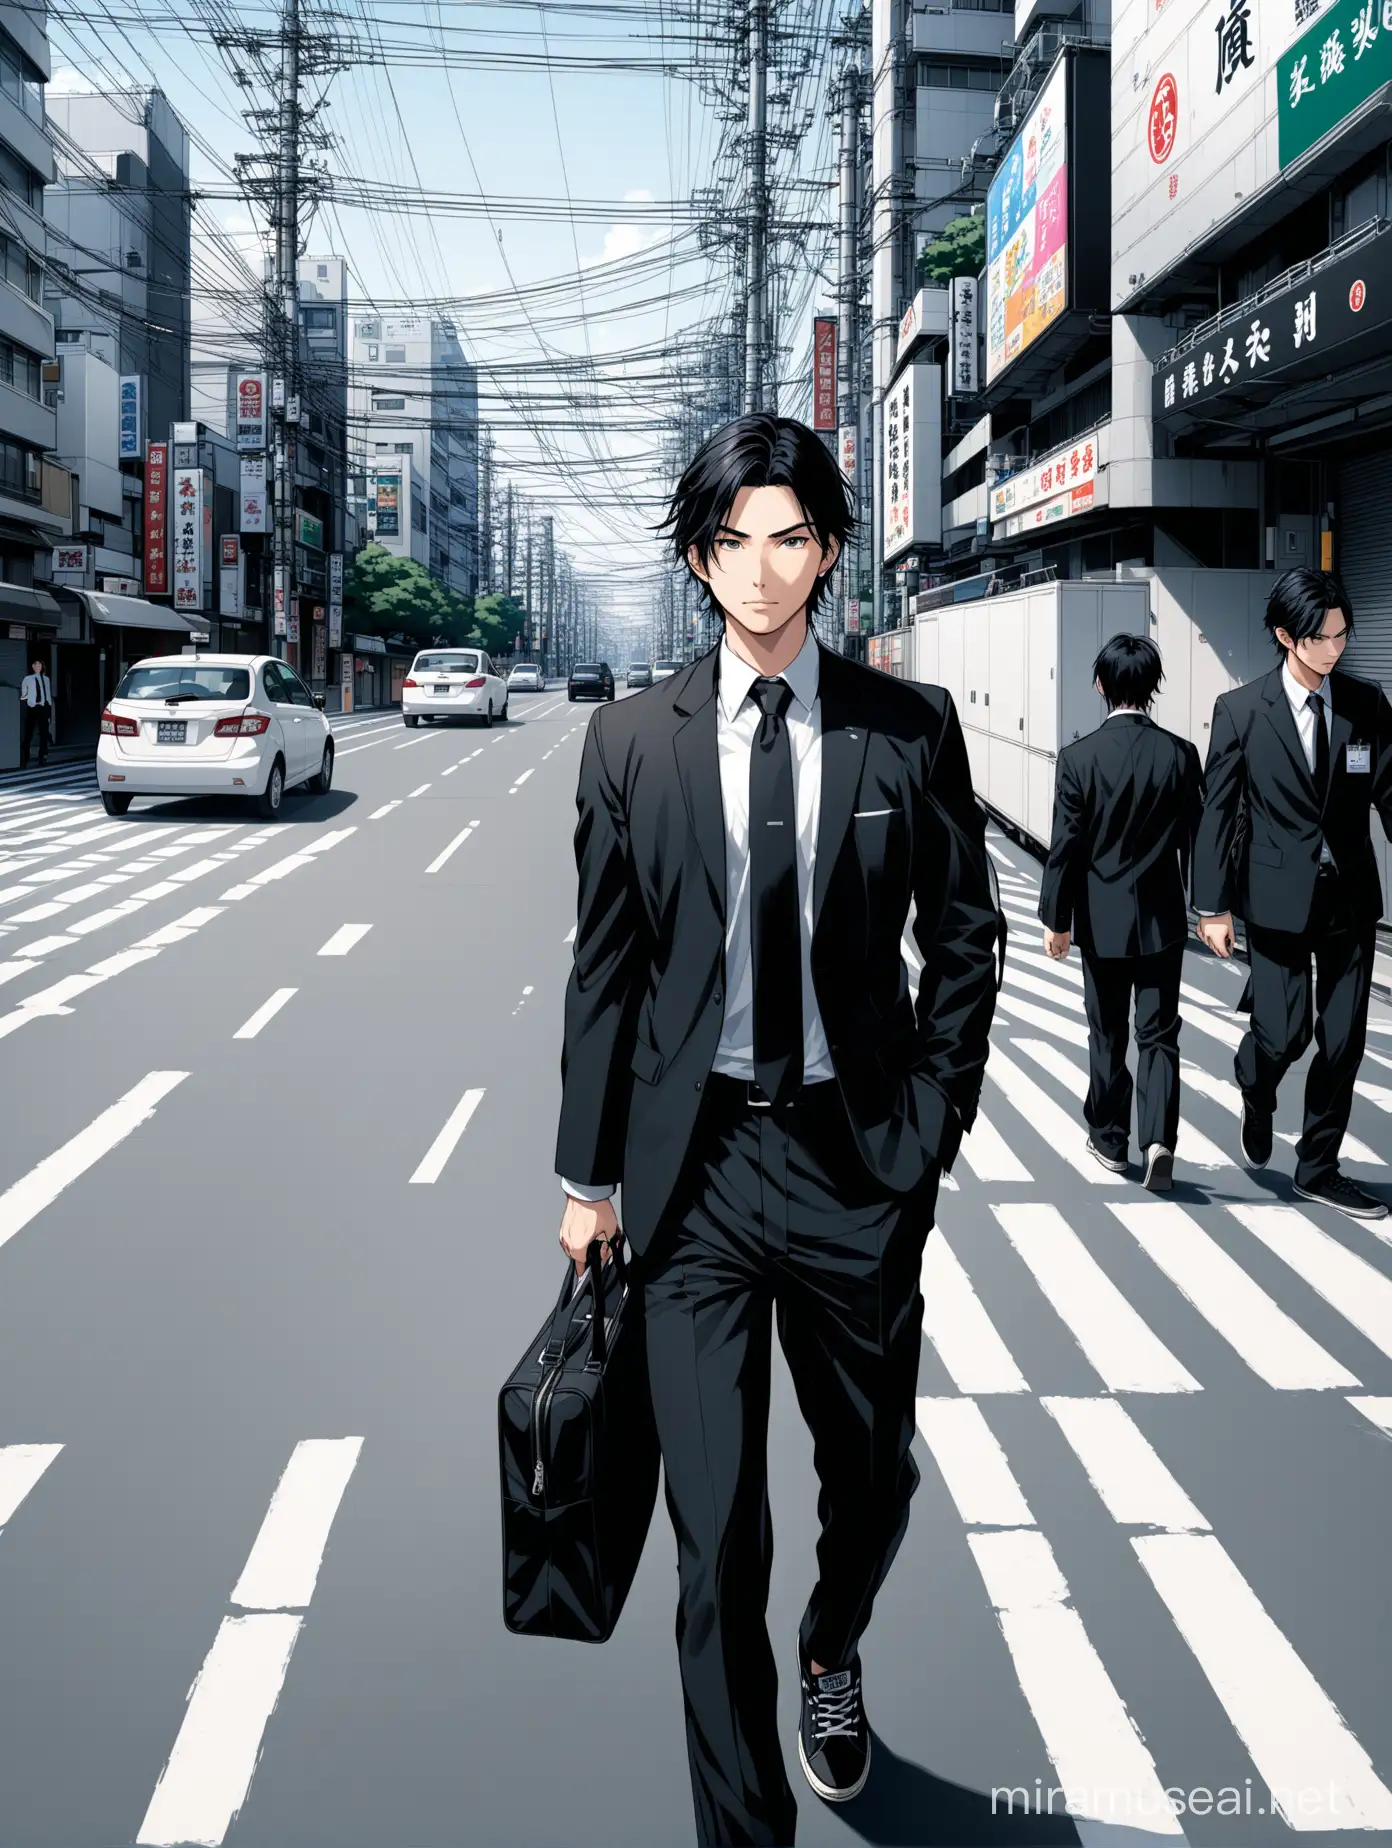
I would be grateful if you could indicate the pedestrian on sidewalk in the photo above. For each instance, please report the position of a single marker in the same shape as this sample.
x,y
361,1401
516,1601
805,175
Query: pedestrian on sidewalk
x,y
36,712
1126,807
1296,762
743,1057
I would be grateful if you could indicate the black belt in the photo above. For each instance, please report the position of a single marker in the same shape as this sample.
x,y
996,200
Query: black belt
x,y
748,1094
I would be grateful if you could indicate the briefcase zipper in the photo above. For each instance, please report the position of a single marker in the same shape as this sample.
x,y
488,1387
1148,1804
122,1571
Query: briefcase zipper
x,y
540,1404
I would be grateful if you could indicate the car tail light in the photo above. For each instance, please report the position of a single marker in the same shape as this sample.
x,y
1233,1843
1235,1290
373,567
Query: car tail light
x,y
115,725
475,683
247,725
408,682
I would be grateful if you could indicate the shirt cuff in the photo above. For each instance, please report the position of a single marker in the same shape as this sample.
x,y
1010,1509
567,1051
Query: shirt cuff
x,y
590,1195
1212,914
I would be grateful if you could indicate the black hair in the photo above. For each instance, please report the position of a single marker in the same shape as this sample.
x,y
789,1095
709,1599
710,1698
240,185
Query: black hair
x,y
1129,671
1299,602
758,451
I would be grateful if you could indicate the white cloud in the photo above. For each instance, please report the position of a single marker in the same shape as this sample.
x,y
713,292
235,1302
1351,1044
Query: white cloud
x,y
68,82
624,239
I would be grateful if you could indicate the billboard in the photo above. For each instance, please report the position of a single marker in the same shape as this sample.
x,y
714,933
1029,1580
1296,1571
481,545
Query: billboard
x,y
1027,230
131,419
388,506
309,530
186,538
912,450
962,380
1203,120
156,519
230,576
251,410
335,599
253,503
824,373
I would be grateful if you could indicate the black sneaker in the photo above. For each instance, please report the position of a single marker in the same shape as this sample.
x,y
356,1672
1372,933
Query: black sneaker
x,y
1159,1168
833,1735
1255,1137
1114,1164
1345,1197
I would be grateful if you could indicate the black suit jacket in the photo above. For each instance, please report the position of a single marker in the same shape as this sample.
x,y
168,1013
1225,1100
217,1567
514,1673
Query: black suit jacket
x,y
1258,847
645,1004
1127,803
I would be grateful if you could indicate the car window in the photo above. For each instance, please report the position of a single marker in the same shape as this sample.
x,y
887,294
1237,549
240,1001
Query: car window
x,y
299,692
181,681
487,667
277,691
453,663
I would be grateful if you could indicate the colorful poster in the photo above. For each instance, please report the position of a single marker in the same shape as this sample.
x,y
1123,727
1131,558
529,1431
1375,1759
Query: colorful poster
x,y
253,509
156,520
1027,231
188,539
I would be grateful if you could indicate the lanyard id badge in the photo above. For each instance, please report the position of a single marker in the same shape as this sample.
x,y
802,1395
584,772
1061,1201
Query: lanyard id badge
x,y
1358,759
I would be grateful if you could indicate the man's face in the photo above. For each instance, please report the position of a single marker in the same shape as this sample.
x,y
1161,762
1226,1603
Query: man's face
x,y
37,666
1320,653
765,560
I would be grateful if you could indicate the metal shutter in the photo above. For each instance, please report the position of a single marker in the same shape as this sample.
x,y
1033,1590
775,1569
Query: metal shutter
x,y
1363,559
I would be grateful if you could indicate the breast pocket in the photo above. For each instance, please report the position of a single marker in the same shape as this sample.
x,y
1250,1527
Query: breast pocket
x,y
1262,853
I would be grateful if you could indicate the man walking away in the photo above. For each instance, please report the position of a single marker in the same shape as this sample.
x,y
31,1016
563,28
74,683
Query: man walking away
x,y
1296,761
1126,808
36,709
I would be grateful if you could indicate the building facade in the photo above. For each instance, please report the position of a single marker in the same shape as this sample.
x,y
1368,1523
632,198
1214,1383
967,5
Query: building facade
x,y
415,394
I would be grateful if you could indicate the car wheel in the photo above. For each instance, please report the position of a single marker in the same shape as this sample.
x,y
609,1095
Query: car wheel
x,y
269,801
410,718
571,698
321,784
505,710
114,804
488,716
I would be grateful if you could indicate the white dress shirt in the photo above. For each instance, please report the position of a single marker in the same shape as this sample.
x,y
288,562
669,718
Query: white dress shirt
x,y
34,690
737,726
1305,725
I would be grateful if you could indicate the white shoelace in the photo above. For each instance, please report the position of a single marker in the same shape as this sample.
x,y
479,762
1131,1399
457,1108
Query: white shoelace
x,y
836,1715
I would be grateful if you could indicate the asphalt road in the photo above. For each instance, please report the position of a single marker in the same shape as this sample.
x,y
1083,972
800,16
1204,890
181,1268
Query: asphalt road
x,y
252,1252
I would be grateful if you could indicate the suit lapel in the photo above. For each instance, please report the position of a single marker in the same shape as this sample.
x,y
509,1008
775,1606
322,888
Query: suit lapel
x,y
843,755
1282,719
1340,732
697,747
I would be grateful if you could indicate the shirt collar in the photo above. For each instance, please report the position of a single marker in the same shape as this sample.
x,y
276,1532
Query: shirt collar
x,y
737,677
1298,694
1126,712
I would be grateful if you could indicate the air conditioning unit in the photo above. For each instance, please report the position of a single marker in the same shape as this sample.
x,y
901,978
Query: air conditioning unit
x,y
134,260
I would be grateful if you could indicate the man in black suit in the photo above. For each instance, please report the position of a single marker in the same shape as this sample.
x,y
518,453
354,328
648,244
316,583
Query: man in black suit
x,y
1296,761
742,1055
1127,803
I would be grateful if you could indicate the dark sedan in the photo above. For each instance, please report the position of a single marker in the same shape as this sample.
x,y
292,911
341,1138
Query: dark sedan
x,y
590,680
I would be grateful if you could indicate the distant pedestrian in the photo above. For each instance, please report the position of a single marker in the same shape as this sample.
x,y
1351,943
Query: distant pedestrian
x,y
1128,801
36,712
1296,760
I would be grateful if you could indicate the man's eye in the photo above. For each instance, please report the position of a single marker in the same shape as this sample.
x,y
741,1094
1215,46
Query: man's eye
x,y
799,540
729,544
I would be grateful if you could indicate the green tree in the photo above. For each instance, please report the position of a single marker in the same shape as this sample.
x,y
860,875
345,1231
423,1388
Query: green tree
x,y
959,249
496,622
386,595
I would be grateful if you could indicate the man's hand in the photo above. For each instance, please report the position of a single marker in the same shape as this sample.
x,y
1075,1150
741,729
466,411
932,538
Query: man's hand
x,y
1217,934
1057,943
584,1221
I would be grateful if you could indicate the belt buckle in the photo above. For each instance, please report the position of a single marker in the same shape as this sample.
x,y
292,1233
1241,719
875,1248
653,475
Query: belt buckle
x,y
755,1097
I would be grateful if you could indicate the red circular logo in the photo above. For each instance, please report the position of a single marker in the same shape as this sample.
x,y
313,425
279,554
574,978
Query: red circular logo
x,y
1358,294
1164,119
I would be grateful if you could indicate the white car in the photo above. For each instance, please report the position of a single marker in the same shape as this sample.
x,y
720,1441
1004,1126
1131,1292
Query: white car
x,y
452,683
213,724
527,678
664,670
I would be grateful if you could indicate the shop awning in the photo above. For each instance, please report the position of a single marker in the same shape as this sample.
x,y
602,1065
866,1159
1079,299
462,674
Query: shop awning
x,y
137,613
35,608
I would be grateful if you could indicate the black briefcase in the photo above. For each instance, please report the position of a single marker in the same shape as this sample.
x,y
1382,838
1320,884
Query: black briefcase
x,y
579,1459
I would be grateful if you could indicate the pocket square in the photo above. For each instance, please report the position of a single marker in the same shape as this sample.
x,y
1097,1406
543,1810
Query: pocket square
x,y
866,814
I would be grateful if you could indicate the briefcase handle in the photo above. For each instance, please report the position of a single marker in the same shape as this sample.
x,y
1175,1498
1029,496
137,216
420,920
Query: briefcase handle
x,y
558,1336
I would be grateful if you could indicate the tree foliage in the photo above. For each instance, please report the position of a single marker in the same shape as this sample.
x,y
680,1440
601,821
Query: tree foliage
x,y
959,249
386,595
497,621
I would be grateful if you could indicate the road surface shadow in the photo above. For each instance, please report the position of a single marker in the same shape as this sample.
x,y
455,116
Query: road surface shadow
x,y
908,1807
298,805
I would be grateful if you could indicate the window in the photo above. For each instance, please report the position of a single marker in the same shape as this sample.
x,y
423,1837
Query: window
x,y
445,664
319,318
21,471
396,356
299,692
369,330
277,690
20,369
403,449
185,682
389,404
20,270
323,272
372,352
20,179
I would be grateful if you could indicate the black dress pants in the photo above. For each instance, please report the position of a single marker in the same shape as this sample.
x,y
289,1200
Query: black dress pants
x,y
777,1213
33,722
1108,985
1279,992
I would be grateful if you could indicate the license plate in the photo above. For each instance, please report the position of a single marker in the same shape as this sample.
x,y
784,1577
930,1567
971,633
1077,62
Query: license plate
x,y
442,689
172,731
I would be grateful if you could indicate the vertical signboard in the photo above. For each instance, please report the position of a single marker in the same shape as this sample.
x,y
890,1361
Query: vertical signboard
x,y
282,598
962,379
230,577
320,663
186,527
251,410
253,504
848,452
913,459
335,599
131,419
1027,230
388,506
156,519
824,373
347,682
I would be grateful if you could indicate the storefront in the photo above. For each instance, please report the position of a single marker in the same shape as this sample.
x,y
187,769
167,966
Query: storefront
x,y
29,626
101,637
1363,558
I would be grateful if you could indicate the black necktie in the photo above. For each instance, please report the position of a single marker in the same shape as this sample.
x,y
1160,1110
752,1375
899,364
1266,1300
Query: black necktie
x,y
1316,704
773,898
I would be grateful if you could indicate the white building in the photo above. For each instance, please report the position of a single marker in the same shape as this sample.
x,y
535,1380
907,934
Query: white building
x,y
413,393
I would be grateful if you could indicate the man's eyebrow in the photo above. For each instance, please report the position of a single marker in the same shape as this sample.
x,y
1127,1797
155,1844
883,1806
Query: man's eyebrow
x,y
733,531
800,527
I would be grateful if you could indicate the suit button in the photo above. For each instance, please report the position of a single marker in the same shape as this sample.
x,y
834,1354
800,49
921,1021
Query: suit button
x,y
715,998
698,1084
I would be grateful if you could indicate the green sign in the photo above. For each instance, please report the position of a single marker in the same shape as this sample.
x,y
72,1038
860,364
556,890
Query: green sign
x,y
1338,64
308,530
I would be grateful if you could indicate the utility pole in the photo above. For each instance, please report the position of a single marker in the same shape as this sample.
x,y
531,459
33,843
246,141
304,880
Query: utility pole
x,y
886,166
511,544
485,517
527,601
848,295
284,346
548,606
756,270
